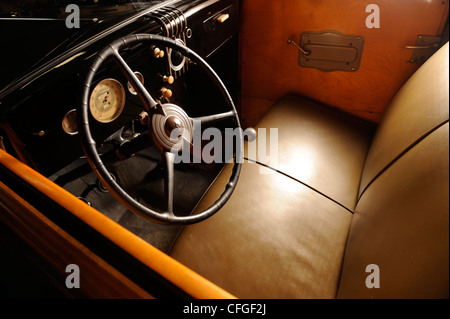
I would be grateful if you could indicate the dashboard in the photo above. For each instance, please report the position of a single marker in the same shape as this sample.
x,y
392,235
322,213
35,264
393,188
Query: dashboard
x,y
38,109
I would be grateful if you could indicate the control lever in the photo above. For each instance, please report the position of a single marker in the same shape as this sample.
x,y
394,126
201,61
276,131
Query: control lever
x,y
250,134
125,134
298,47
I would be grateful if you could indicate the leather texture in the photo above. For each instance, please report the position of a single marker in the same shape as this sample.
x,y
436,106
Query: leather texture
x,y
275,238
318,146
280,237
401,224
421,105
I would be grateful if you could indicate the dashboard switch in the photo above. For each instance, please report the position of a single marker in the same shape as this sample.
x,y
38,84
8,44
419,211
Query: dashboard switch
x,y
168,79
166,92
157,52
223,17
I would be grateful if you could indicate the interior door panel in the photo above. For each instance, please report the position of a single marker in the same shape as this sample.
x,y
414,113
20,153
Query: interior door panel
x,y
270,66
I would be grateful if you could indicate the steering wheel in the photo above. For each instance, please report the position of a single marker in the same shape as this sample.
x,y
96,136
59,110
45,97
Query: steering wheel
x,y
164,118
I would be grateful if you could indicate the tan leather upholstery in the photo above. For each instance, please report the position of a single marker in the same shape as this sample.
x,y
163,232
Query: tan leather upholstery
x,y
284,217
401,220
401,224
319,146
277,238
272,239
419,107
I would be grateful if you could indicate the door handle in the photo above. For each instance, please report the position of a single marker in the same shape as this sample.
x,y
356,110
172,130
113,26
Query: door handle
x,y
419,47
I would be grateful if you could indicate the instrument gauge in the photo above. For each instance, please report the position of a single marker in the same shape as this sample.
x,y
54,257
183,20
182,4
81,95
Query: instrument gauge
x,y
107,100
69,122
176,59
140,78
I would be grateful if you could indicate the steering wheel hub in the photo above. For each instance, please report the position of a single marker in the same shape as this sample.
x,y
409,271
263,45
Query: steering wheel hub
x,y
172,123
170,131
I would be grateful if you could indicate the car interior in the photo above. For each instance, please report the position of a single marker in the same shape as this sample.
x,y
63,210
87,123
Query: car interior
x,y
225,149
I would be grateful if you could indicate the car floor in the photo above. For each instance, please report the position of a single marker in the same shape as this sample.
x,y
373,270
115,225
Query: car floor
x,y
143,178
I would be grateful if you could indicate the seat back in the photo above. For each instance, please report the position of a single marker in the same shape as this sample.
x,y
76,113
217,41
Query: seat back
x,y
398,245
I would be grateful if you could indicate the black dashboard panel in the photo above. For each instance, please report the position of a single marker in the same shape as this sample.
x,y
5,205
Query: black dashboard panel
x,y
35,103
212,25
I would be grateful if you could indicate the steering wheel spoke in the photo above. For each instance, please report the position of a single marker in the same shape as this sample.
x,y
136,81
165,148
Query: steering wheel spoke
x,y
169,161
150,104
208,120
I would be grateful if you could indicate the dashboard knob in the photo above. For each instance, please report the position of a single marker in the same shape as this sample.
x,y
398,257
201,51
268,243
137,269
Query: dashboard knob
x,y
250,134
168,79
158,53
166,92
223,17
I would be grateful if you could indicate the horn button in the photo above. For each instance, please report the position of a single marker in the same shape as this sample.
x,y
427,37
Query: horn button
x,y
172,123
162,127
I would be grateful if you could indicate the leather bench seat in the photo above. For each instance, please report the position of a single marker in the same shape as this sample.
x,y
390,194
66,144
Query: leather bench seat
x,y
286,233
401,224
260,231
318,146
299,200
419,107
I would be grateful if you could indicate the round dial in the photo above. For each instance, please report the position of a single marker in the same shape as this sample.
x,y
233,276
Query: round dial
x,y
69,123
107,100
140,78
176,59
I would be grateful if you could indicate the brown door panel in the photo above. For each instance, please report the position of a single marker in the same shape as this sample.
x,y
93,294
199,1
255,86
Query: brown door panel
x,y
270,66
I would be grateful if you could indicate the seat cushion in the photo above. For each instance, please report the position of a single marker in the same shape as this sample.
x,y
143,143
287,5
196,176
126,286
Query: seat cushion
x,y
401,224
275,238
318,146
418,108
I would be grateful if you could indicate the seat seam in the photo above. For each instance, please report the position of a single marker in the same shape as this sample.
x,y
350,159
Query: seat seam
x,y
303,183
400,155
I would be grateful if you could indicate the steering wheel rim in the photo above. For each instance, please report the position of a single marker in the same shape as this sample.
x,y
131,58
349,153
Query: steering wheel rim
x,y
89,144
